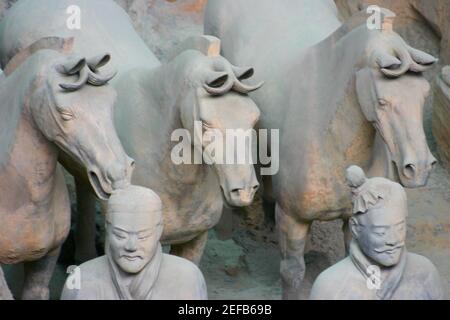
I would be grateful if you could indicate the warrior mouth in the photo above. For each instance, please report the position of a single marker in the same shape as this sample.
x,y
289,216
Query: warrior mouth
x,y
132,258
101,193
390,251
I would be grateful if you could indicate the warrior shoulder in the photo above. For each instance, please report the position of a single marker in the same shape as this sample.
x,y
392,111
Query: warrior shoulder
x,y
332,282
181,267
421,264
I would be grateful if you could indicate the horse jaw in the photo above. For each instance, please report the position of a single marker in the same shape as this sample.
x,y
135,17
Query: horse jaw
x,y
381,163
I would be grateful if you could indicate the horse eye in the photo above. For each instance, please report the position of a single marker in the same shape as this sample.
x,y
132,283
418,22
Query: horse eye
x,y
66,114
383,102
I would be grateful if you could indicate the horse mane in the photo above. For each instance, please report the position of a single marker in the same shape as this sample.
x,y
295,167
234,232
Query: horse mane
x,y
15,85
355,21
62,45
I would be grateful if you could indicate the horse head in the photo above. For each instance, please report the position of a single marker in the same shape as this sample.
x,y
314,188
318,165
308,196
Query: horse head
x,y
391,91
72,105
214,95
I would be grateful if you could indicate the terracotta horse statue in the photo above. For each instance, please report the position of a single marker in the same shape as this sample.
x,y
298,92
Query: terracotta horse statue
x,y
51,104
339,94
154,100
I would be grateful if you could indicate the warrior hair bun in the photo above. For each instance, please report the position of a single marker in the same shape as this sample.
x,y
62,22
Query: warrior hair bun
x,y
355,176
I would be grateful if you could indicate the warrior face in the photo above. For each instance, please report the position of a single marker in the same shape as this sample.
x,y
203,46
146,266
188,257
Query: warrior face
x,y
133,242
134,227
381,231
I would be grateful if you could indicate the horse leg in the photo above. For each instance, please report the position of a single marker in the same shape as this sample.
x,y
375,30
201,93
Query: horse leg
x,y
191,250
38,275
347,234
85,228
292,240
5,293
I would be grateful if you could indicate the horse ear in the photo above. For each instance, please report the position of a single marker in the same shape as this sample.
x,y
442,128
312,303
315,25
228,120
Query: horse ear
x,y
422,60
365,92
243,73
98,61
354,227
216,79
96,78
72,65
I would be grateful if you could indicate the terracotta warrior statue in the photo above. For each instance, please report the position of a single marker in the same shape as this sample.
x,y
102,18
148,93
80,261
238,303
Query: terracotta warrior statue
x,y
379,267
134,267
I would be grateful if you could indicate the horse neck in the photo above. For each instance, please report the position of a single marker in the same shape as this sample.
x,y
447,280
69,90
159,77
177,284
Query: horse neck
x,y
333,69
26,142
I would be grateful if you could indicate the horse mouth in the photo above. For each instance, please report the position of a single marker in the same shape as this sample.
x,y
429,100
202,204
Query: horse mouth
x,y
99,190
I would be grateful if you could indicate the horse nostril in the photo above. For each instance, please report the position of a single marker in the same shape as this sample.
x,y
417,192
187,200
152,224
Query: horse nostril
x,y
433,163
255,187
409,170
236,191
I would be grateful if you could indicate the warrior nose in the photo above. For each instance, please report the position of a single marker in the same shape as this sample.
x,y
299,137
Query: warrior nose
x,y
131,244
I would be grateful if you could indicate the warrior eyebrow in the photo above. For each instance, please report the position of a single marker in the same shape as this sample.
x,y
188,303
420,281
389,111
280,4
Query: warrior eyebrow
x,y
120,229
140,231
386,226
151,230
380,226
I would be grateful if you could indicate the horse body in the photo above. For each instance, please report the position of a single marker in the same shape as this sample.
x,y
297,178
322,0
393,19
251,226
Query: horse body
x,y
104,27
340,99
333,131
34,204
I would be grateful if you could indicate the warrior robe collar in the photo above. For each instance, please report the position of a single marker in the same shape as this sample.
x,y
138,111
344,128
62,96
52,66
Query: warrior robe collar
x,y
390,276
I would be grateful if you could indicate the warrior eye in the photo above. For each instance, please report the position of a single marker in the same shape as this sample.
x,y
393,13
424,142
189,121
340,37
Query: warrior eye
x,y
119,236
